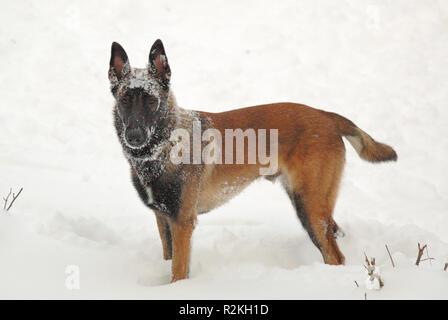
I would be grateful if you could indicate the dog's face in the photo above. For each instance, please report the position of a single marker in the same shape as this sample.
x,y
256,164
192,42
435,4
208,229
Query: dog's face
x,y
141,94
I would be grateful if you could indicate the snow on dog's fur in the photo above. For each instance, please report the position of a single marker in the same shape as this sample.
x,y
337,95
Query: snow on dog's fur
x,y
311,156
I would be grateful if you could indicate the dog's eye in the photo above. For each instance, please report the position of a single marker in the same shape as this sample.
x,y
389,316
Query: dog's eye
x,y
125,101
151,101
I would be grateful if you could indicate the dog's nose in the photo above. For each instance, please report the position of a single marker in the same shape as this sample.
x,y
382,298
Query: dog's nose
x,y
135,136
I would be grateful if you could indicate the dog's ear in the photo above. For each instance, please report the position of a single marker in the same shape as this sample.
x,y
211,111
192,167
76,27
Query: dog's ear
x,y
158,64
119,64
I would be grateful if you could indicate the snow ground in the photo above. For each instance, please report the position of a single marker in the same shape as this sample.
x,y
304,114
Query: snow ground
x,y
383,64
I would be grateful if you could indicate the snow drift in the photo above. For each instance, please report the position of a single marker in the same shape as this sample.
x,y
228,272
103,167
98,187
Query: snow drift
x,y
383,65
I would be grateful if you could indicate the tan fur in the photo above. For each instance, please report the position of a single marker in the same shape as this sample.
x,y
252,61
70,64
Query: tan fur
x,y
311,161
367,148
311,157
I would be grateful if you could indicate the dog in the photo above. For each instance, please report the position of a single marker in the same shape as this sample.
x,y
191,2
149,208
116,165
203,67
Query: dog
x,y
309,165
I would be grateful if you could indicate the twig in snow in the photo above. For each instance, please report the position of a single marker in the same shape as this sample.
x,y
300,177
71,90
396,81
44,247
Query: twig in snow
x,y
390,256
427,259
446,267
373,273
365,295
420,253
358,284
6,199
14,197
427,256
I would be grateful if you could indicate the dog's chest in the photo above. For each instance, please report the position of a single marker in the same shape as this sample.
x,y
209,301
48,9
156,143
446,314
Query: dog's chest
x,y
162,189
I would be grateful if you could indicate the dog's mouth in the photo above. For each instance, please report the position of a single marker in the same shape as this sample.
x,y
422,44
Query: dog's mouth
x,y
136,147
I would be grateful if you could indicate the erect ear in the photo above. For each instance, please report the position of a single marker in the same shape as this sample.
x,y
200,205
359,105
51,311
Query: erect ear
x,y
158,64
119,64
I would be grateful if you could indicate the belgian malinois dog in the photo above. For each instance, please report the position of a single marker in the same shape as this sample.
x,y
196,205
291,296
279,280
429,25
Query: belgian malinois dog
x,y
309,165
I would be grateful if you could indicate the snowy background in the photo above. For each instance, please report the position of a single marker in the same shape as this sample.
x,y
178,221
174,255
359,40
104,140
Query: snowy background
x,y
383,64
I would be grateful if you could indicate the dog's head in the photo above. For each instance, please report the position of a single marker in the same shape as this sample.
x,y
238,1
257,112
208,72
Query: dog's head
x,y
142,95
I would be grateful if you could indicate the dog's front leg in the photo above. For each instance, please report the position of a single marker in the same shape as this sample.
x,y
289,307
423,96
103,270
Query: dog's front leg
x,y
182,226
181,231
165,235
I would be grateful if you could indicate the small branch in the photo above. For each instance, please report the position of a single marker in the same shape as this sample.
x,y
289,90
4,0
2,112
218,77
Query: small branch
x,y
427,259
14,197
372,271
365,295
446,267
358,284
367,261
390,256
420,253
6,199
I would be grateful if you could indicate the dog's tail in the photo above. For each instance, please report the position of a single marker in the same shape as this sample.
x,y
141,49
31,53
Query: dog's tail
x,y
366,147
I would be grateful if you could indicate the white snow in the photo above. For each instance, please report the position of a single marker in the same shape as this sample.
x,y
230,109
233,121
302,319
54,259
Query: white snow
x,y
140,79
381,64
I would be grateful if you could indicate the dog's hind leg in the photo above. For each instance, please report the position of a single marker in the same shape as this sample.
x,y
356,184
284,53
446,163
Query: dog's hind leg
x,y
165,235
338,168
312,188
338,232
320,227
